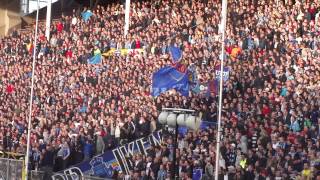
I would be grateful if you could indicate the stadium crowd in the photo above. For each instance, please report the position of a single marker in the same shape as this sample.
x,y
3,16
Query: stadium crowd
x,y
271,103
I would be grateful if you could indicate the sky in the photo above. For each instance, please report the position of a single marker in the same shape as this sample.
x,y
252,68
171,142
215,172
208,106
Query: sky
x,y
33,4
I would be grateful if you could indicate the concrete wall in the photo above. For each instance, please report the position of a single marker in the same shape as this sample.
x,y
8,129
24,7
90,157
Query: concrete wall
x,y
9,16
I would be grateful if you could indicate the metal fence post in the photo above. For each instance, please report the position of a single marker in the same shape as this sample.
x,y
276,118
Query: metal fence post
x,y
8,166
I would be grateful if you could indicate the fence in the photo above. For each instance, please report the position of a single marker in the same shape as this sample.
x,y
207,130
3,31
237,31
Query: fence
x,y
11,169
39,175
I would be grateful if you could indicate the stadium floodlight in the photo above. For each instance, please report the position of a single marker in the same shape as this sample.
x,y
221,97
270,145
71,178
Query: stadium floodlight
x,y
181,119
172,120
193,122
175,117
163,117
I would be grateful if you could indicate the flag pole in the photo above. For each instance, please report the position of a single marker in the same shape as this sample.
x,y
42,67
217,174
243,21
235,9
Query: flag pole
x,y
127,17
223,27
48,19
31,92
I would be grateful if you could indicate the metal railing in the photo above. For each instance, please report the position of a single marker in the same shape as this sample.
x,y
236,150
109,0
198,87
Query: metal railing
x,y
40,175
11,169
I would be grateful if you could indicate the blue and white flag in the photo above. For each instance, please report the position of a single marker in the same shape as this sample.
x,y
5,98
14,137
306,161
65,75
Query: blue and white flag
x,y
169,78
86,15
96,59
225,74
197,174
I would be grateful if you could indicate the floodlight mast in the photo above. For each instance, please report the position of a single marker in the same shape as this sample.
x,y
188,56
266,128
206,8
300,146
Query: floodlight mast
x,y
27,158
48,19
223,29
175,175
127,17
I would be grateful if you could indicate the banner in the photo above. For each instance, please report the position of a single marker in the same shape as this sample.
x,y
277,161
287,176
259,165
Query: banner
x,y
225,75
213,87
119,159
123,52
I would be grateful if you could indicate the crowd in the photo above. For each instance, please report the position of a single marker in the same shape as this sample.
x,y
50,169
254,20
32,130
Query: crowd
x,y
271,101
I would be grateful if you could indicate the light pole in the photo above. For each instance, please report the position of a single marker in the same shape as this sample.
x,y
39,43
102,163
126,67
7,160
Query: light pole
x,y
127,17
223,29
31,92
175,117
48,19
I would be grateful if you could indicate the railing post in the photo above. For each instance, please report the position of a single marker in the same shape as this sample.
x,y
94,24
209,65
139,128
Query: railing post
x,y
8,166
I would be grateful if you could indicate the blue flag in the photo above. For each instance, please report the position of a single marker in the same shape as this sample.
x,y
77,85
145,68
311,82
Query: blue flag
x,y
197,174
169,78
193,78
96,59
86,15
176,54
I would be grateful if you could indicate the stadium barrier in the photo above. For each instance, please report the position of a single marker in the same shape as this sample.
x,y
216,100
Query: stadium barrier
x,y
11,169
39,175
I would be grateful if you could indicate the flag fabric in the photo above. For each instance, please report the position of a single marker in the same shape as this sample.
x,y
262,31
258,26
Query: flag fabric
x,y
96,52
193,78
225,74
122,52
197,174
96,59
213,87
86,15
109,52
30,48
176,54
180,67
169,78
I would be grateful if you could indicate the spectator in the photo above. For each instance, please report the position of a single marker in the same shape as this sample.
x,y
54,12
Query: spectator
x,y
270,101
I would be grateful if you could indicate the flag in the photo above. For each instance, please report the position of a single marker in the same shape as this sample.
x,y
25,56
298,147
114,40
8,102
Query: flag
x,y
197,174
180,67
193,78
109,53
213,87
96,59
30,48
86,15
176,54
169,78
97,51
225,73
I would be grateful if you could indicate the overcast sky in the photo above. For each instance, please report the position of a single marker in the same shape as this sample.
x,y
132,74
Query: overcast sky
x,y
33,4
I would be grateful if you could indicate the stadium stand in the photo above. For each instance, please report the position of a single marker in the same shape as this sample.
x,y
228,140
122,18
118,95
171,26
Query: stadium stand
x,y
83,107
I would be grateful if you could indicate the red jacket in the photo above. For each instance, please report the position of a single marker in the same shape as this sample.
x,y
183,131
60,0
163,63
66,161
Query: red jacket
x,y
10,89
138,45
265,110
59,27
69,54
